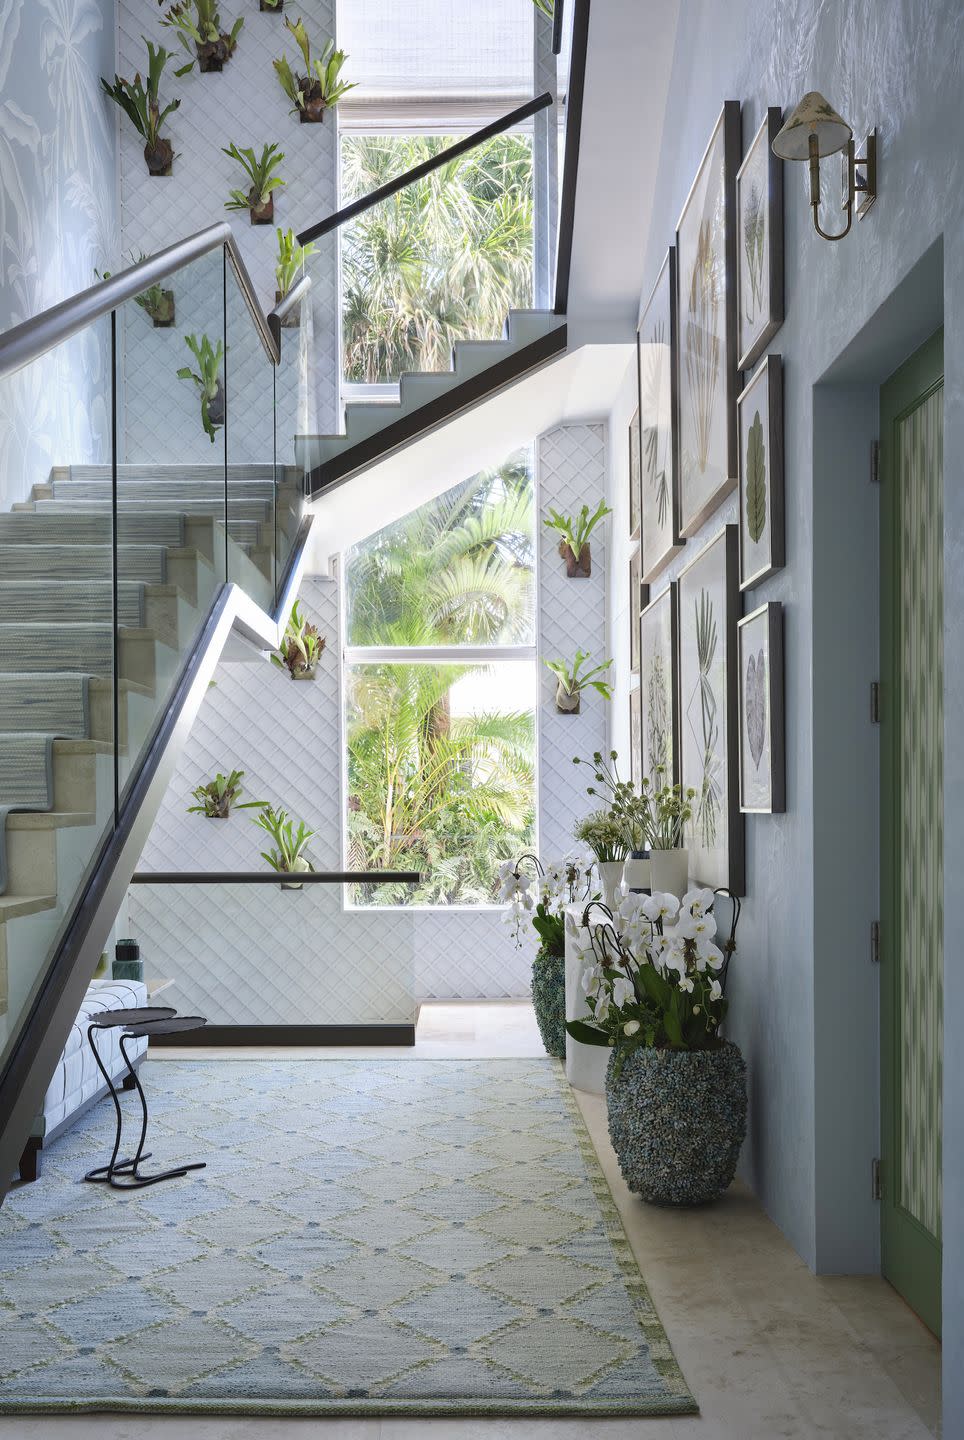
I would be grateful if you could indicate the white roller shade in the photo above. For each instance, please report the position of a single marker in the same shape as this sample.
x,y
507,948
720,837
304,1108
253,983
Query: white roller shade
x,y
430,58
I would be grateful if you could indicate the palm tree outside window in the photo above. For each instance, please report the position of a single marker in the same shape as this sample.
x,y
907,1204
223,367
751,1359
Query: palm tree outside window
x,y
440,685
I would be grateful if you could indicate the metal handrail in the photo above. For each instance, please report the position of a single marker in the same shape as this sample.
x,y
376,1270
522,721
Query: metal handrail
x,y
275,877
43,332
392,187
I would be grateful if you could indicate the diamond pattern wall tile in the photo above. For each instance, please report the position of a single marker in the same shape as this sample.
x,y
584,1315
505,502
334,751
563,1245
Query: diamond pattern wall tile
x,y
244,104
260,956
572,615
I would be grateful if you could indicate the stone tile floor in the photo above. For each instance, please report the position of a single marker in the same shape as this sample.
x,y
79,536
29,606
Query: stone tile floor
x,y
770,1351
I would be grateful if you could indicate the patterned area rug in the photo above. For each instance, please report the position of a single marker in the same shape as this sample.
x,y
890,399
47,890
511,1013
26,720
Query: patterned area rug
x,y
369,1238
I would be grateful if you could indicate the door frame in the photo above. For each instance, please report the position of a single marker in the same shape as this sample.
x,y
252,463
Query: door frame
x,y
911,1257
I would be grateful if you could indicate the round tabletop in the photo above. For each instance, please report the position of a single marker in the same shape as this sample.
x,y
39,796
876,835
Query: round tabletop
x,y
166,1027
138,1015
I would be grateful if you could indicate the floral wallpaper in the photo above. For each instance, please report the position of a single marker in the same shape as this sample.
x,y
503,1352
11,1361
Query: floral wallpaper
x,y
58,222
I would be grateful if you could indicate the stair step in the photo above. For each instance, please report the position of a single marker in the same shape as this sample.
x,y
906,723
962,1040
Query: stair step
x,y
49,819
140,491
83,647
200,474
13,906
471,357
55,704
238,508
524,326
142,527
58,600
71,562
422,386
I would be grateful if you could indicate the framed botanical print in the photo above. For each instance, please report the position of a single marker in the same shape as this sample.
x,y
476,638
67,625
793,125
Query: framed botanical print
x,y
762,754
656,358
634,494
658,688
635,737
706,309
760,413
759,209
635,606
709,734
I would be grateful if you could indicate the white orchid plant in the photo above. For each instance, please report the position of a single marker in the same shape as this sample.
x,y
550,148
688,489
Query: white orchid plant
x,y
655,976
543,897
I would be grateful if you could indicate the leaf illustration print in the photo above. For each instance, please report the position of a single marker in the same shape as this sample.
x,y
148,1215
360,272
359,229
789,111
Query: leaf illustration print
x,y
756,480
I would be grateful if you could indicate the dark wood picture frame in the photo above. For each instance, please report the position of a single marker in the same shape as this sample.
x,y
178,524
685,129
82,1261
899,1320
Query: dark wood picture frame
x,y
660,539
705,406
638,596
768,721
635,477
729,868
635,736
762,503
760,167
662,611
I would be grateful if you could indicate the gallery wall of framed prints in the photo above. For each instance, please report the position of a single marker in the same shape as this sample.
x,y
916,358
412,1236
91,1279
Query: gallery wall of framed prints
x,y
707,700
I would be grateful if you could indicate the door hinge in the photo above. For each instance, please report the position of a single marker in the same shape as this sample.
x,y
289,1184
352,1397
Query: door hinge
x,y
875,942
875,1191
875,702
875,462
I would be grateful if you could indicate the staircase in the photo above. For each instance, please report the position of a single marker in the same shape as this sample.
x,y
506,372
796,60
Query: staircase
x,y
479,368
57,658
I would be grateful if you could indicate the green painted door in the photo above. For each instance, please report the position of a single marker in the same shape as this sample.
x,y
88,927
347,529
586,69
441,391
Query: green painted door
x,y
912,826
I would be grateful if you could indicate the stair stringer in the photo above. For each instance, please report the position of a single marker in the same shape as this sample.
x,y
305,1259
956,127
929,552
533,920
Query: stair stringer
x,y
233,616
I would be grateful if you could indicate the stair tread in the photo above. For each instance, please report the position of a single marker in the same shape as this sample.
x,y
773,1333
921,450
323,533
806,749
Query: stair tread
x,y
49,819
13,906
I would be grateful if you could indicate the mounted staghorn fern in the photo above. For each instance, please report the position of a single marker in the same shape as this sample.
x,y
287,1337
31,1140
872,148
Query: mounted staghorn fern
x,y
155,301
142,106
215,797
573,680
207,378
300,648
291,261
288,856
319,88
198,22
257,199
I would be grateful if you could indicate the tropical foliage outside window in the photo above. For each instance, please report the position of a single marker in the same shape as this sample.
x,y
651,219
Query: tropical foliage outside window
x,y
441,755
443,260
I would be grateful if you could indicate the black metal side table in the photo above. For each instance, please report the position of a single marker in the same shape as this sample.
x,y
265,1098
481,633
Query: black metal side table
x,y
143,1021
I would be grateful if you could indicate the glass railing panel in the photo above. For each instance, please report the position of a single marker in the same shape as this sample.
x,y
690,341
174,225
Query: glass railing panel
x,y
288,957
295,416
250,448
171,536
56,650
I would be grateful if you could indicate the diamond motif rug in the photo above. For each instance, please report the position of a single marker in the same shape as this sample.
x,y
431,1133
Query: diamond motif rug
x,y
369,1238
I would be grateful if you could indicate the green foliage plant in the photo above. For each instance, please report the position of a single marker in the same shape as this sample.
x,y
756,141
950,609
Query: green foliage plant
x,y
215,797
142,106
575,532
262,175
301,646
291,260
319,86
631,809
198,23
605,835
155,301
207,378
573,680
656,976
290,844
671,809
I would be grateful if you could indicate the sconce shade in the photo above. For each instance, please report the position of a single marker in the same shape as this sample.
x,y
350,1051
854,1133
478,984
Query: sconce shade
x,y
813,116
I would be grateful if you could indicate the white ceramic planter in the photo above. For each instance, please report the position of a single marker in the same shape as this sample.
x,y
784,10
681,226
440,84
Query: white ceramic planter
x,y
585,1064
636,873
611,879
670,871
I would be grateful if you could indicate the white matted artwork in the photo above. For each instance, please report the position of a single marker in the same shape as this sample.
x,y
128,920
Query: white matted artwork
x,y
762,524
709,739
634,477
658,678
759,206
635,737
762,748
656,356
707,327
636,601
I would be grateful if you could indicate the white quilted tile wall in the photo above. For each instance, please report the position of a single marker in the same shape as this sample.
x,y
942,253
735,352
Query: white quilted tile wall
x,y
245,104
256,955
572,615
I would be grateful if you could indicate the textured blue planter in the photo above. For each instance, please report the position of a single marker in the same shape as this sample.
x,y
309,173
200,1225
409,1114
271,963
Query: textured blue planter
x,y
677,1120
549,1001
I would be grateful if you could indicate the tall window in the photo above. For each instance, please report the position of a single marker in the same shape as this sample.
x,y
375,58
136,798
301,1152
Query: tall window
x,y
443,260
441,690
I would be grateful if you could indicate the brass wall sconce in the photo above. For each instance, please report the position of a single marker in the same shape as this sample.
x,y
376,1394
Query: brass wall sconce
x,y
813,130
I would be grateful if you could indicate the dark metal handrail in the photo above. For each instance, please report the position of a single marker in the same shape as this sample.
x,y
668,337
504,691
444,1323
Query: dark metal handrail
x,y
557,27
570,168
275,877
392,187
43,332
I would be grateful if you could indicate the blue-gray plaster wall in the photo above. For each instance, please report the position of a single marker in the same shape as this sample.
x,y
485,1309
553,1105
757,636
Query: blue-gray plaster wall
x,y
58,221
803,991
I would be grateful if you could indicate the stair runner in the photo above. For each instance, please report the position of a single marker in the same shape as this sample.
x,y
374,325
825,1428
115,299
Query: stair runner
x,y
56,604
